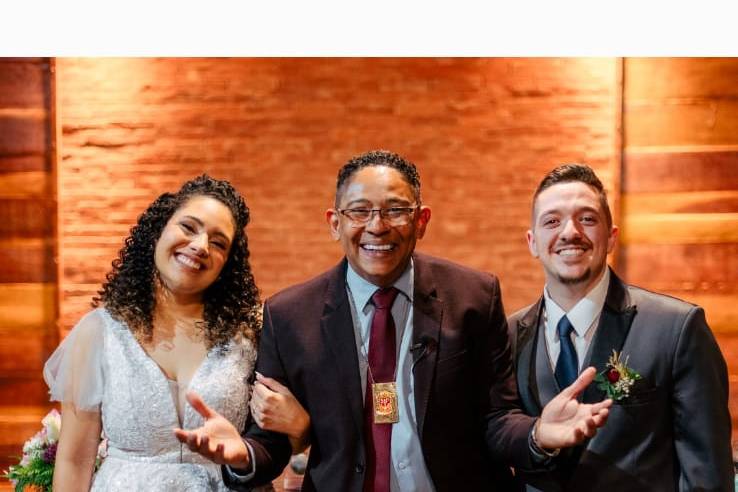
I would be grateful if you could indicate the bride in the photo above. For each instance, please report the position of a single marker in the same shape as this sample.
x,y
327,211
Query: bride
x,y
179,313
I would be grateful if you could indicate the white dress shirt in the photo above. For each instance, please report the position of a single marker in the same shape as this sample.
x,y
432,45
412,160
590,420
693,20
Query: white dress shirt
x,y
584,317
408,471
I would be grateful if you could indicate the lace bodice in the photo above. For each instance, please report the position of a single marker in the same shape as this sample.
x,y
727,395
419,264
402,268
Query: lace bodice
x,y
137,406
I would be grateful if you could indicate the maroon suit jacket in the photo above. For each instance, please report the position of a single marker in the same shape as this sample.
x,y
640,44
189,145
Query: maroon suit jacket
x,y
465,393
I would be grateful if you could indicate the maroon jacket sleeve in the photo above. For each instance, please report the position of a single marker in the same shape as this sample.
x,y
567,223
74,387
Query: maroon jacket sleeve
x,y
507,427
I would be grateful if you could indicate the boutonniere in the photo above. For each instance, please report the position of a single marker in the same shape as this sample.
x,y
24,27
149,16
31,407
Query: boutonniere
x,y
617,378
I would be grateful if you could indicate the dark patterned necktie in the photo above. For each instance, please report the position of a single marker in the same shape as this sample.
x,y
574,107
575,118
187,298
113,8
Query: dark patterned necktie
x,y
382,362
567,366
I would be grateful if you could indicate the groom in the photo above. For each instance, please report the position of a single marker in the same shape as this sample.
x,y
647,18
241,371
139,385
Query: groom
x,y
401,359
669,428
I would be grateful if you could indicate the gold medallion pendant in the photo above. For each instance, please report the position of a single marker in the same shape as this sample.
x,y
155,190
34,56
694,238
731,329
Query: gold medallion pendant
x,y
385,403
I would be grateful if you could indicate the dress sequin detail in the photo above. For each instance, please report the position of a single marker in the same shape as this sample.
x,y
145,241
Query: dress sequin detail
x,y
138,414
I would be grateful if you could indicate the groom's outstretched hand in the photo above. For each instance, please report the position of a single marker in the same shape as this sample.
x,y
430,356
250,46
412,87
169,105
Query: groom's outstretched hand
x,y
567,422
218,440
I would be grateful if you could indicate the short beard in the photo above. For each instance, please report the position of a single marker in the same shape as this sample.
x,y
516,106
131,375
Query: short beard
x,y
584,277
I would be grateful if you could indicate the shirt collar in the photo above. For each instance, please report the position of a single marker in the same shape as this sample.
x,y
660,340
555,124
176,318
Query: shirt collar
x,y
362,290
584,312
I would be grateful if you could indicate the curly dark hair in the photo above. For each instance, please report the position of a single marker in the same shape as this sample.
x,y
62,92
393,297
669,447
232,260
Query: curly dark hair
x,y
566,173
379,158
231,303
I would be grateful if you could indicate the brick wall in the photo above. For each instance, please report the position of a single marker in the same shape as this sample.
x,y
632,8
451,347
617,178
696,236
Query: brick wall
x,y
482,131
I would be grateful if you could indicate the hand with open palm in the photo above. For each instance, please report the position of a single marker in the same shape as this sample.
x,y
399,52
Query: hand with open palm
x,y
217,439
565,421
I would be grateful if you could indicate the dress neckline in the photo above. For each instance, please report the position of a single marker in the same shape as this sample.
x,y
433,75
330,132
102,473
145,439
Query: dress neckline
x,y
156,368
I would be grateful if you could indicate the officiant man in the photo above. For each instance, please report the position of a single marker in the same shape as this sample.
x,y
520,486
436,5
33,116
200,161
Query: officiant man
x,y
401,359
669,428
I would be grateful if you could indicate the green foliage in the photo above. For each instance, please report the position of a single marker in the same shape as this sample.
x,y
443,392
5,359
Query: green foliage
x,y
604,385
37,473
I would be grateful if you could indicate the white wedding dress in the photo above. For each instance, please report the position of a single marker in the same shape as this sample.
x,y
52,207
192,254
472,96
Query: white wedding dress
x,y
101,367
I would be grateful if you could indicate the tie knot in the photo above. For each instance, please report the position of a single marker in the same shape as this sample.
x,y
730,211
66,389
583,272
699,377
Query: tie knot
x,y
383,298
564,327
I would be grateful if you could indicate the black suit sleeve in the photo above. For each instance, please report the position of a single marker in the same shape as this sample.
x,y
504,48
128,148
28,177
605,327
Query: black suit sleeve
x,y
272,450
507,428
700,406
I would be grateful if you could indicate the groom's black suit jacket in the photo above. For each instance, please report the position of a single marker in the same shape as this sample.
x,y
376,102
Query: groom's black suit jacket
x,y
673,431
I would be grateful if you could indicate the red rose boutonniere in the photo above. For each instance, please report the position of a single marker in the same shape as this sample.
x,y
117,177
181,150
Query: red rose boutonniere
x,y
617,378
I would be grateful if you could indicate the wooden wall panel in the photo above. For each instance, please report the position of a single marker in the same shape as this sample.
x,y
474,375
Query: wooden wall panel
x,y
25,217
680,189
24,84
28,309
22,134
27,260
664,78
723,201
699,121
680,183
681,228
691,168
683,267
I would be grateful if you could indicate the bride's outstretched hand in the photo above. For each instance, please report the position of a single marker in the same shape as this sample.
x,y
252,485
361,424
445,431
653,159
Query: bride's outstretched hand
x,y
218,440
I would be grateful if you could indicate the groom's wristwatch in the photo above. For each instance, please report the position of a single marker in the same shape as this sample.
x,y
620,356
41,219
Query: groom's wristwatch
x,y
537,448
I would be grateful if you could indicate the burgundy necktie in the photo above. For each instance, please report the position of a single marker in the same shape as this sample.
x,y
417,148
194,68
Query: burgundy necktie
x,y
382,362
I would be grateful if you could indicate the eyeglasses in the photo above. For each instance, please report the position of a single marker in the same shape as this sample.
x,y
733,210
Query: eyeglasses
x,y
394,216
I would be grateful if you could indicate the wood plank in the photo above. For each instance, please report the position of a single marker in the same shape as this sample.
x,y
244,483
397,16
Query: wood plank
x,y
681,202
24,163
27,261
24,84
25,184
26,218
655,78
721,310
28,390
681,122
680,171
23,135
25,351
679,228
28,113
27,306
24,59
684,268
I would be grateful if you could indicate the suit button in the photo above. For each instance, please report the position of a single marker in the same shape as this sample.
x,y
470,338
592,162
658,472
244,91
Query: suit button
x,y
359,468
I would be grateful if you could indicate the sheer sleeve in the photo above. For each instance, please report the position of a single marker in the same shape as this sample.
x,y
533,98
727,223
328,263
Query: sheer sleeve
x,y
74,372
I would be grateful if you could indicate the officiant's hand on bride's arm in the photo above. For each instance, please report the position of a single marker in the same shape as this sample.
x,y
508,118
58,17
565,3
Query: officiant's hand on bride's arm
x,y
275,408
218,440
